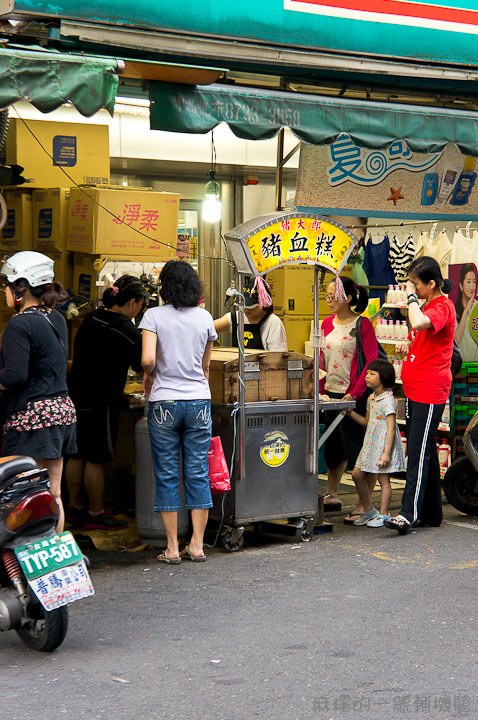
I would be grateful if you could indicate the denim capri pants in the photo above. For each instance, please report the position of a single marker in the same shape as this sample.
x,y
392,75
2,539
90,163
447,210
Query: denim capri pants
x,y
184,425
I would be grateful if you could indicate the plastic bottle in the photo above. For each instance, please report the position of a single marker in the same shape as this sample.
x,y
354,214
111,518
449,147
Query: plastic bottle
x,y
390,294
390,330
465,183
404,443
404,334
447,185
397,365
429,188
444,454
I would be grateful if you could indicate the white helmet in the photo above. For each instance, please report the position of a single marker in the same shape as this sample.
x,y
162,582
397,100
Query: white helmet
x,y
34,267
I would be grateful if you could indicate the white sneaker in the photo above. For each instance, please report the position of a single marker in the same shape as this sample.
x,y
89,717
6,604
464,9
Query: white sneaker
x,y
365,517
377,521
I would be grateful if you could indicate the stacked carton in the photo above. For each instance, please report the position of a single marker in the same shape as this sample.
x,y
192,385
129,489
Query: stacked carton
x,y
120,225
464,404
54,157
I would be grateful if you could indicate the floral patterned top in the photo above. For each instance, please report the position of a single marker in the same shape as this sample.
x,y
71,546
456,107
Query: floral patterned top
x,y
339,347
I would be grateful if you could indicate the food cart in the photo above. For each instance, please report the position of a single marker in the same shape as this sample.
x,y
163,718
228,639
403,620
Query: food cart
x,y
273,445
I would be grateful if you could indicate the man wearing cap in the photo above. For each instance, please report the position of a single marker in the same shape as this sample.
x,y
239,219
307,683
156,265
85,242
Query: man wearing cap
x,y
263,329
106,345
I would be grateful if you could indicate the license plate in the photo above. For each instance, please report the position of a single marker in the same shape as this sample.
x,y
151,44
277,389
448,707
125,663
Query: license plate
x,y
55,570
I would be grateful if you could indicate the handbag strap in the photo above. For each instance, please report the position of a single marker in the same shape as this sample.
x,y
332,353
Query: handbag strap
x,y
358,340
38,312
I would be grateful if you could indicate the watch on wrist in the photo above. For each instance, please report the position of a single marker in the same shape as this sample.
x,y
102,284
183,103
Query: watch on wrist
x,y
413,298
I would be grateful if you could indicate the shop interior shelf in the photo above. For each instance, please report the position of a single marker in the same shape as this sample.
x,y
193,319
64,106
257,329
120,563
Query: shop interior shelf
x,y
390,341
444,427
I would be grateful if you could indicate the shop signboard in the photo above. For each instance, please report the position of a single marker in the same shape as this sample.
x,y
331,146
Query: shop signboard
x,y
345,179
432,30
282,239
300,239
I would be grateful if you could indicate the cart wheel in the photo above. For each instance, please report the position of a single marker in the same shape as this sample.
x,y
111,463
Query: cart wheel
x,y
232,540
304,532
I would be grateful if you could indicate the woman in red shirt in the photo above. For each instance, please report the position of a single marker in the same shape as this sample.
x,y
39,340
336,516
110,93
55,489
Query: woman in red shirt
x,y
426,376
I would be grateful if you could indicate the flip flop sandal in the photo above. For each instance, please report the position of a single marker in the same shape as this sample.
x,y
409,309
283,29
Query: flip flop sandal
x,y
398,523
187,555
334,506
349,519
162,557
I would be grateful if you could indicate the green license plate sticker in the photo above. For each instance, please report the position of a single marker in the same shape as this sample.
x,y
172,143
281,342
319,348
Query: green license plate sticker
x,y
47,556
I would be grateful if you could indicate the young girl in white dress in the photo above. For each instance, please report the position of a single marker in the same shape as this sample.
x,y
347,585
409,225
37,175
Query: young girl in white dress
x,y
382,451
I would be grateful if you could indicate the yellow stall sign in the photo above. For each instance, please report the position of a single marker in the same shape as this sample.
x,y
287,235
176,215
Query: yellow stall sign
x,y
289,238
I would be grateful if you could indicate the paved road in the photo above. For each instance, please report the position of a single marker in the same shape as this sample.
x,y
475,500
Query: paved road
x,y
359,623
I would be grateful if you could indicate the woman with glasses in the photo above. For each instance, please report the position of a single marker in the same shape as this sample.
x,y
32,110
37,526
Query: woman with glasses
x,y
346,301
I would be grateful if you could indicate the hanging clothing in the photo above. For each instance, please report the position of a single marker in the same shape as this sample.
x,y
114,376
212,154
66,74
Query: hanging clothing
x,y
377,266
356,259
465,249
402,254
438,247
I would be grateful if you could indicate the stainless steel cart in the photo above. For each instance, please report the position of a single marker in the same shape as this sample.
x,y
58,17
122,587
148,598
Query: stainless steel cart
x,y
274,445
277,481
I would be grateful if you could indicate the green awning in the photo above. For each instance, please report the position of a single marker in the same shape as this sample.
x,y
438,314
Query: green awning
x,y
259,114
49,79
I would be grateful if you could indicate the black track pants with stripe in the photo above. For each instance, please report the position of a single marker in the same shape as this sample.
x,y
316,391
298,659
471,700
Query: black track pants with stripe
x,y
422,495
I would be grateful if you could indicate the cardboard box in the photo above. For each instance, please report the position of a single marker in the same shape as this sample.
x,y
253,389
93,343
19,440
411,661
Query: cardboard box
x,y
292,289
17,231
5,312
50,219
63,267
123,221
81,149
91,273
297,328
269,375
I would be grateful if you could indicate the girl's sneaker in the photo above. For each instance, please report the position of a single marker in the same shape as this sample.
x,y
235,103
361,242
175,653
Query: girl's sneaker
x,y
366,517
378,521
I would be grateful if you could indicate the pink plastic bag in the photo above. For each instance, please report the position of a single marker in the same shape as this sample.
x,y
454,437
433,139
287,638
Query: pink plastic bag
x,y
219,480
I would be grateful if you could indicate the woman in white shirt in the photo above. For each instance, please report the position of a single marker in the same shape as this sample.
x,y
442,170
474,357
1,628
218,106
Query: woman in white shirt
x,y
263,329
177,345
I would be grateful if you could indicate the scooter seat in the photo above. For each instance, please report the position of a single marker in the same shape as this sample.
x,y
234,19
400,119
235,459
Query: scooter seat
x,y
12,465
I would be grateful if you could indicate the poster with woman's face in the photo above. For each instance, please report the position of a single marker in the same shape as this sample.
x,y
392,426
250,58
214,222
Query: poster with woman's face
x,y
465,298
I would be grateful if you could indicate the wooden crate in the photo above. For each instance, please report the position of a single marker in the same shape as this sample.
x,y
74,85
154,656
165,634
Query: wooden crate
x,y
270,375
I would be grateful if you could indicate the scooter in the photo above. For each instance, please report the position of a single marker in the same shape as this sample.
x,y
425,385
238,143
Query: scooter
x,y
41,572
460,483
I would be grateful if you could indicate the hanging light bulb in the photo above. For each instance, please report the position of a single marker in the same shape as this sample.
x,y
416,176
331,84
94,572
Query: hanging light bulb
x,y
212,206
